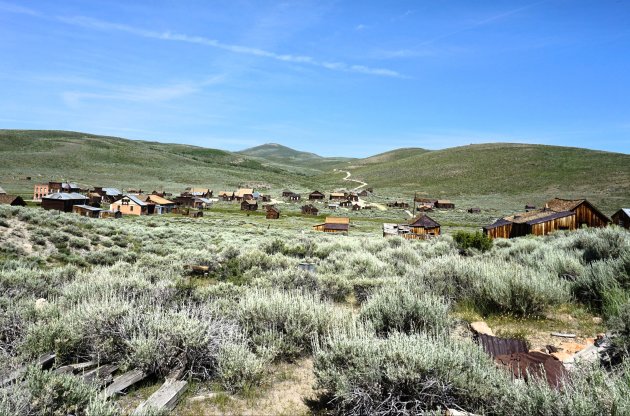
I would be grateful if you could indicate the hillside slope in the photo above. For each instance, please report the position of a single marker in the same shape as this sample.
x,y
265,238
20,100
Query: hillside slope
x,y
109,161
291,159
516,170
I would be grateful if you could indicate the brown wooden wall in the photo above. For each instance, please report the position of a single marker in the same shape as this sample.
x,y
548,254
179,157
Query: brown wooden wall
x,y
588,216
544,228
503,231
621,219
423,231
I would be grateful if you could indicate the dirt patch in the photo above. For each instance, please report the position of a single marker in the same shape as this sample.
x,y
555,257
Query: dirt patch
x,y
289,386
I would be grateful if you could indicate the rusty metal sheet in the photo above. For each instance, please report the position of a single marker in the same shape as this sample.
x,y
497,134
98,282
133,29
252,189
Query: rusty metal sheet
x,y
496,346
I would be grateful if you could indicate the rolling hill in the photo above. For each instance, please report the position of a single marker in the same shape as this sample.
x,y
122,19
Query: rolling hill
x,y
488,175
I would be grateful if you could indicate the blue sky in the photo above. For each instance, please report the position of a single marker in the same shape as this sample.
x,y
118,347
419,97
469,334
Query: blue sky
x,y
347,78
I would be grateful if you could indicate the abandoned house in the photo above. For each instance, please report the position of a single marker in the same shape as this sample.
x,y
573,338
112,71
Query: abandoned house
x,y
13,200
444,204
63,201
162,205
398,204
316,195
273,213
309,210
474,210
249,205
338,196
420,227
226,196
244,194
334,225
108,195
622,218
86,211
586,214
198,192
538,222
132,205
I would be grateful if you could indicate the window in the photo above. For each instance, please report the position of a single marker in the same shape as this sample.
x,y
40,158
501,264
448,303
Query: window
x,y
131,208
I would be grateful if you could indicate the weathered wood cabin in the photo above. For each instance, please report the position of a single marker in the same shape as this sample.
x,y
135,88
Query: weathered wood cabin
x,y
198,192
273,213
13,200
316,195
293,197
249,205
420,227
162,205
309,210
108,213
586,214
345,203
108,195
243,194
426,201
398,204
226,196
334,225
68,187
444,204
63,201
364,193
474,210
539,222
353,196
622,218
338,196
132,205
86,211
287,193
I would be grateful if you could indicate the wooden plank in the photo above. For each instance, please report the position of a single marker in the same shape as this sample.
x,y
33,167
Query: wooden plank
x,y
124,381
165,399
100,373
83,366
562,335
44,361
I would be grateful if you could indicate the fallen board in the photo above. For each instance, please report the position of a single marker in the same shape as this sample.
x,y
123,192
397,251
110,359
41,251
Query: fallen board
x,y
100,373
44,361
124,381
165,399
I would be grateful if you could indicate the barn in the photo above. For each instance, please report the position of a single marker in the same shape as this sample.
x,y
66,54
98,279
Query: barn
x,y
249,205
586,214
309,210
622,218
316,195
539,222
63,201
13,200
273,213
334,225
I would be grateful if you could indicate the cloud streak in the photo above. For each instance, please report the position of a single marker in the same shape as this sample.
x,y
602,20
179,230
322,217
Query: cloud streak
x,y
91,23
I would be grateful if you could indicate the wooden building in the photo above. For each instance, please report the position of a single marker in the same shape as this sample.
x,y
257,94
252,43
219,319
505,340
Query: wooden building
x,y
398,204
287,193
425,201
364,193
132,205
86,211
198,192
353,196
622,218
162,205
309,210
444,204
63,201
338,196
539,222
529,207
474,210
334,225
345,203
226,196
586,214
293,197
249,205
273,213
316,195
244,194
107,213
421,227
13,200
108,195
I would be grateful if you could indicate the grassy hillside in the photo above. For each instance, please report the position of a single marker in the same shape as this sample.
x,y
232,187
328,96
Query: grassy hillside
x,y
110,161
520,172
290,159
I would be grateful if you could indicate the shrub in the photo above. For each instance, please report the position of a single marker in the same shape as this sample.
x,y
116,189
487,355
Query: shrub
x,y
398,308
477,240
238,368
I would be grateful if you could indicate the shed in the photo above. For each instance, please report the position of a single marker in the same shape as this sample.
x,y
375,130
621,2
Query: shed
x,y
287,193
338,196
309,209
316,195
109,214
474,210
13,200
249,205
622,218
423,225
273,213
586,214
334,225
63,201
364,193
86,211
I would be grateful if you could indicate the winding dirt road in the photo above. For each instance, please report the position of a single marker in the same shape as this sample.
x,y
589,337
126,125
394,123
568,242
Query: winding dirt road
x,y
347,178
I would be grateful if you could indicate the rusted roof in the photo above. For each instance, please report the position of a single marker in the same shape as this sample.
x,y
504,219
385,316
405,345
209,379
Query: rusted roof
x,y
559,204
536,365
423,221
244,191
495,346
337,220
159,200
250,201
537,216
339,194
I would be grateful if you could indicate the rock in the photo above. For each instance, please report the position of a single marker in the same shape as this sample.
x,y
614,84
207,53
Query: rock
x,y
41,304
480,327
597,320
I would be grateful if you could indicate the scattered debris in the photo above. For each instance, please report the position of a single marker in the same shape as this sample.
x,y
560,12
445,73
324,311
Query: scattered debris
x,y
562,335
480,327
100,373
165,398
496,346
124,381
534,364
44,361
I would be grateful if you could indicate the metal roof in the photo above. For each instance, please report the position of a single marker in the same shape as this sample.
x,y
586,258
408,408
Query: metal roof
x,y
626,210
65,196
112,191
89,208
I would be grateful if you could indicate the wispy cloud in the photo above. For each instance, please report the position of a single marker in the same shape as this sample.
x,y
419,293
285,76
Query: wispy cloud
x,y
360,27
91,23
14,8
